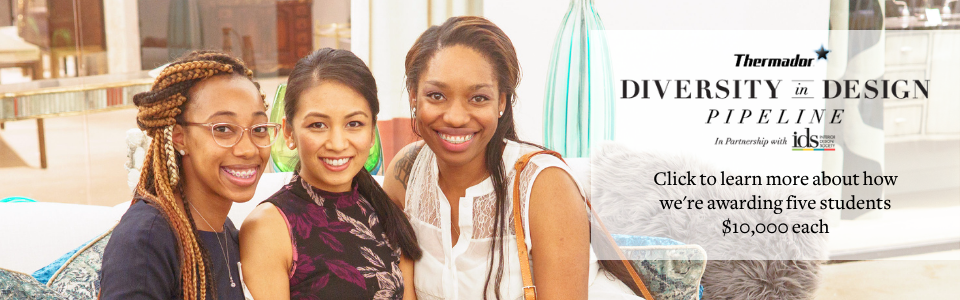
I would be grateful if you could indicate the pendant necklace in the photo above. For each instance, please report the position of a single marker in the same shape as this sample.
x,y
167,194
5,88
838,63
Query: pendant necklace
x,y
226,256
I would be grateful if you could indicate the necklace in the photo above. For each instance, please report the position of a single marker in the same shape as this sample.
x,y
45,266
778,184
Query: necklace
x,y
226,255
456,232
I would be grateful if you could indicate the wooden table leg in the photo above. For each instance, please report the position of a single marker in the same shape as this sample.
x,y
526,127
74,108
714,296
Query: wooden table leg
x,y
36,70
43,146
54,65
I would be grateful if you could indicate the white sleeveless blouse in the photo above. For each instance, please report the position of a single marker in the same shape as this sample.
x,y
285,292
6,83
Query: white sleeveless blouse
x,y
459,272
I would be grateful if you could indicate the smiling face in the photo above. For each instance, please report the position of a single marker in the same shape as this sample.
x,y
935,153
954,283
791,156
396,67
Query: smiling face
x,y
457,105
228,173
332,131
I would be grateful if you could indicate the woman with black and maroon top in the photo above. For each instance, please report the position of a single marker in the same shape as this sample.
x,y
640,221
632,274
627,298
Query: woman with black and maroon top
x,y
332,232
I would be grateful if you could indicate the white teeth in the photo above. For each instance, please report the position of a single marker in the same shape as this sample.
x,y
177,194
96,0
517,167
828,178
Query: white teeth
x,y
456,139
244,173
336,162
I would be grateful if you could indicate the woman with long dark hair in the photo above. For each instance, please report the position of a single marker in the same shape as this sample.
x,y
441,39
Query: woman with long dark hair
x,y
455,185
332,232
211,143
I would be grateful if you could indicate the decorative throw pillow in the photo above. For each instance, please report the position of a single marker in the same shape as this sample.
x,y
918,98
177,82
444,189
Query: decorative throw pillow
x,y
44,274
671,270
79,278
16,285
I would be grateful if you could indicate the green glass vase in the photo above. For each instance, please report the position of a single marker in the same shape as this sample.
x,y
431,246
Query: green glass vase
x,y
579,104
285,160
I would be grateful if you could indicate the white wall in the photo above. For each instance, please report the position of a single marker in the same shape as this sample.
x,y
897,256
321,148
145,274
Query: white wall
x,y
123,36
395,26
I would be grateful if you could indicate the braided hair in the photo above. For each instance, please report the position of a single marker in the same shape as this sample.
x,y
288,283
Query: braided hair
x,y
159,110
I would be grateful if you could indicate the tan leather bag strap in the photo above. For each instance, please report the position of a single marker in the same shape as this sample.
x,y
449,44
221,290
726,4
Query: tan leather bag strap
x,y
530,290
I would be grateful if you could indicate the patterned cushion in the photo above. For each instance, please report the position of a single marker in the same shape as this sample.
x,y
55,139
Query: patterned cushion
x,y
636,240
79,278
16,285
44,274
670,269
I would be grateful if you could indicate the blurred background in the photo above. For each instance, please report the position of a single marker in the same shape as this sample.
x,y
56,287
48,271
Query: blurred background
x,y
69,68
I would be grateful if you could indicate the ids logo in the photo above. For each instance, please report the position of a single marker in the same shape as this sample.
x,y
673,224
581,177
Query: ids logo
x,y
812,142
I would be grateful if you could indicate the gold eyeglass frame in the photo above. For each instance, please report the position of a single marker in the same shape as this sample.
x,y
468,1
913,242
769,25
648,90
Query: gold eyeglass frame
x,y
211,126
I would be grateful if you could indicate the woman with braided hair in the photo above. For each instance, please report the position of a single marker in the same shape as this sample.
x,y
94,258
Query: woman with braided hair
x,y
211,140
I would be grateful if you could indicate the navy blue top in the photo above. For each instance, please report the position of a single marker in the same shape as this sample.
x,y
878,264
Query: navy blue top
x,y
141,260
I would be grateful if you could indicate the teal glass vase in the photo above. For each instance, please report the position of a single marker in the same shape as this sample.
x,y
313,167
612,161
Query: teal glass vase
x,y
579,101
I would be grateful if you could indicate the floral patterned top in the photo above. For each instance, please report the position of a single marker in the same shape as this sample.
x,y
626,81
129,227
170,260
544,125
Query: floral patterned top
x,y
340,250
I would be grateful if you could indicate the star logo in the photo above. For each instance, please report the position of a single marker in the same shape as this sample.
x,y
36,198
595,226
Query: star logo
x,y
822,53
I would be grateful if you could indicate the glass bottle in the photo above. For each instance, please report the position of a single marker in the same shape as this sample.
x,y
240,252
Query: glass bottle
x,y
579,103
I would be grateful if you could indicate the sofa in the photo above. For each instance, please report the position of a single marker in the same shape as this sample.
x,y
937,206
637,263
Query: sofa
x,y
37,234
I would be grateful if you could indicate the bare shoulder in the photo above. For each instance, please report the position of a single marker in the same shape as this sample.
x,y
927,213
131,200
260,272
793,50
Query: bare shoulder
x,y
555,181
555,193
265,239
264,223
266,253
560,235
401,165
398,173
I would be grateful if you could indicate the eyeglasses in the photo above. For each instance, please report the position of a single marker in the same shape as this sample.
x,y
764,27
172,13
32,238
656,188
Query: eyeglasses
x,y
228,135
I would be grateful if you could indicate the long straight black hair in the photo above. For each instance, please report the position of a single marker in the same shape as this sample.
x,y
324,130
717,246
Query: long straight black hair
x,y
346,68
490,41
